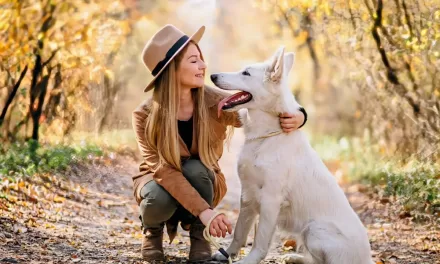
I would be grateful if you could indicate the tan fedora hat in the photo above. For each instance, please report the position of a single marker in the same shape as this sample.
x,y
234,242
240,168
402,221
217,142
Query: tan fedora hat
x,y
161,49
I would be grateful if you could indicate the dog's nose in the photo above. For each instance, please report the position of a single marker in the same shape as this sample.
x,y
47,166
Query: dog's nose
x,y
214,77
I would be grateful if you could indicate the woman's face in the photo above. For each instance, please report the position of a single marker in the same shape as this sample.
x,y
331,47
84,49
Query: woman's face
x,y
191,70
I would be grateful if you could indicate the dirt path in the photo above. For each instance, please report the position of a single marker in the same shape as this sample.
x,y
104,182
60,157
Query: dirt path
x,y
93,218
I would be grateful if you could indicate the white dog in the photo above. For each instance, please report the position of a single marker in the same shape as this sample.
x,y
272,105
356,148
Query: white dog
x,y
283,179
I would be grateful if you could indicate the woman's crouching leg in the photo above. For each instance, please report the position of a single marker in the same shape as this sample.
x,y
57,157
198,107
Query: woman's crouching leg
x,y
157,205
202,180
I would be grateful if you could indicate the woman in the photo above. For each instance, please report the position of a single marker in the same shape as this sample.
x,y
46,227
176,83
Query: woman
x,y
181,140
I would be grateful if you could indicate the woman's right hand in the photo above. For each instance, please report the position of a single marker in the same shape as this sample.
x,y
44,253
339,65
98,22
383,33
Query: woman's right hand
x,y
219,226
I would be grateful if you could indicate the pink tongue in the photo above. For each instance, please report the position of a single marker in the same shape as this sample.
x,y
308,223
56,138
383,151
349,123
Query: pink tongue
x,y
221,104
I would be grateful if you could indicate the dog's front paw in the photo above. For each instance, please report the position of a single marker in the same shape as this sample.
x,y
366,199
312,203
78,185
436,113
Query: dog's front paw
x,y
251,259
247,261
293,259
219,257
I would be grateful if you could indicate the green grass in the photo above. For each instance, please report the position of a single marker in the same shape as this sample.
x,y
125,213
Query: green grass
x,y
29,158
415,183
56,154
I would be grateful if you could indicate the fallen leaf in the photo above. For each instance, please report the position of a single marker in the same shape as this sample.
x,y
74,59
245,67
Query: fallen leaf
x,y
12,199
20,229
58,199
290,243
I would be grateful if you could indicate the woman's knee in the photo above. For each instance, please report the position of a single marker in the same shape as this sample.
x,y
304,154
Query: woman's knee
x,y
200,177
157,204
195,170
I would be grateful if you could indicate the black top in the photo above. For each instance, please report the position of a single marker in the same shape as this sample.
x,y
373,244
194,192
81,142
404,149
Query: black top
x,y
186,131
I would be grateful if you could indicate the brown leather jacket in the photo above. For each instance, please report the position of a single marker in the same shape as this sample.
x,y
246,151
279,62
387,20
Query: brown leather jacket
x,y
170,178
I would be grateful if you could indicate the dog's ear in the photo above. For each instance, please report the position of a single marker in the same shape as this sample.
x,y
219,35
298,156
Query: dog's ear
x,y
289,59
276,68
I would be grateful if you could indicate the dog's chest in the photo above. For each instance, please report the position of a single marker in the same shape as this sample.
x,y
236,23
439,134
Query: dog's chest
x,y
257,157
263,167
253,169
248,162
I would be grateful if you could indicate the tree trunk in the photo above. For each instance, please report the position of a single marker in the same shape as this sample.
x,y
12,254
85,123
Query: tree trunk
x,y
36,114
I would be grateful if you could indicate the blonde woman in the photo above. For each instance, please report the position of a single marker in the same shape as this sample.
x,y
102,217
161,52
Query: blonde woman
x,y
181,140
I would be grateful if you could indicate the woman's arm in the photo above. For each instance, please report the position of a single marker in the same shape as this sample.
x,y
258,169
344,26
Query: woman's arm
x,y
171,179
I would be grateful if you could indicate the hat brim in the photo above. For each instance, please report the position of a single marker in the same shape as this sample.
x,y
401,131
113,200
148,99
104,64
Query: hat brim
x,y
195,37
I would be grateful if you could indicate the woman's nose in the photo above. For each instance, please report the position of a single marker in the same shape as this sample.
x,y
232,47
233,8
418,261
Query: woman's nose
x,y
202,65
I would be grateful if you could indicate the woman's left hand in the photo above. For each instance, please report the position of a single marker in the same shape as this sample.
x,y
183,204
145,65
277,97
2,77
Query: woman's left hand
x,y
290,122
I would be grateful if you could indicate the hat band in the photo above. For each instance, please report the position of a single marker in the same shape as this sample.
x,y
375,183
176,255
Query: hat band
x,y
170,54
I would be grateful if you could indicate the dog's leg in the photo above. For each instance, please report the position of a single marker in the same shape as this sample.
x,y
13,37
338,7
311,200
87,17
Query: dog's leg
x,y
269,211
245,221
297,259
246,217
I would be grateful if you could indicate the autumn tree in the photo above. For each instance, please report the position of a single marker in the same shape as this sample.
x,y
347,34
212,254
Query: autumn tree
x,y
53,53
375,64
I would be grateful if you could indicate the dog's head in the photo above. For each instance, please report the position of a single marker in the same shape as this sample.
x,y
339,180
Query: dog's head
x,y
260,84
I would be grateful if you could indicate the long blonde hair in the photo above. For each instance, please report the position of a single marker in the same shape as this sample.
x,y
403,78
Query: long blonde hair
x,y
161,126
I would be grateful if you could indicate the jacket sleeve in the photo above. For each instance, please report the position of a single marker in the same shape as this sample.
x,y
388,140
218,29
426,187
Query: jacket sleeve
x,y
231,119
171,179
302,110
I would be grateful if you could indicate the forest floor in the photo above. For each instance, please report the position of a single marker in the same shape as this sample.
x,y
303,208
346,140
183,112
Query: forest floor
x,y
89,215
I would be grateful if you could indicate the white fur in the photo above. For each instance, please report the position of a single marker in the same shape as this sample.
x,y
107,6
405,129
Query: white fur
x,y
284,180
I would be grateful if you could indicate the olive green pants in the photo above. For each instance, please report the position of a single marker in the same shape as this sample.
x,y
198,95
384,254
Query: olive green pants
x,y
157,205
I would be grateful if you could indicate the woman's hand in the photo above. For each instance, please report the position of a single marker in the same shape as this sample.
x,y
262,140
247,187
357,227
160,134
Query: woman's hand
x,y
290,122
219,226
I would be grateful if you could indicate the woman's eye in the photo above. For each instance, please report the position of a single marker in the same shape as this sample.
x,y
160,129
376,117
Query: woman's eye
x,y
246,73
194,62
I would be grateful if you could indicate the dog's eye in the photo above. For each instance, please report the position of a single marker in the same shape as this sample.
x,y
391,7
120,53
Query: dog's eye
x,y
246,73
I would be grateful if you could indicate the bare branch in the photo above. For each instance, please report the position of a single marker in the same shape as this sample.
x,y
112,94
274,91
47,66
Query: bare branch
x,y
407,18
391,74
50,58
353,22
399,12
370,9
377,25
12,95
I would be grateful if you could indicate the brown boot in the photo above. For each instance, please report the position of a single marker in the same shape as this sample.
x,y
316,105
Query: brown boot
x,y
200,250
152,249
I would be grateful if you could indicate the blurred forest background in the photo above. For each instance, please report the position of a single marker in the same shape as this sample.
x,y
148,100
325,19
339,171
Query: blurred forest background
x,y
367,72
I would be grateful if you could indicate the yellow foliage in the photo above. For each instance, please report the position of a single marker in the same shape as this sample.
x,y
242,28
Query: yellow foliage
x,y
302,37
78,35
